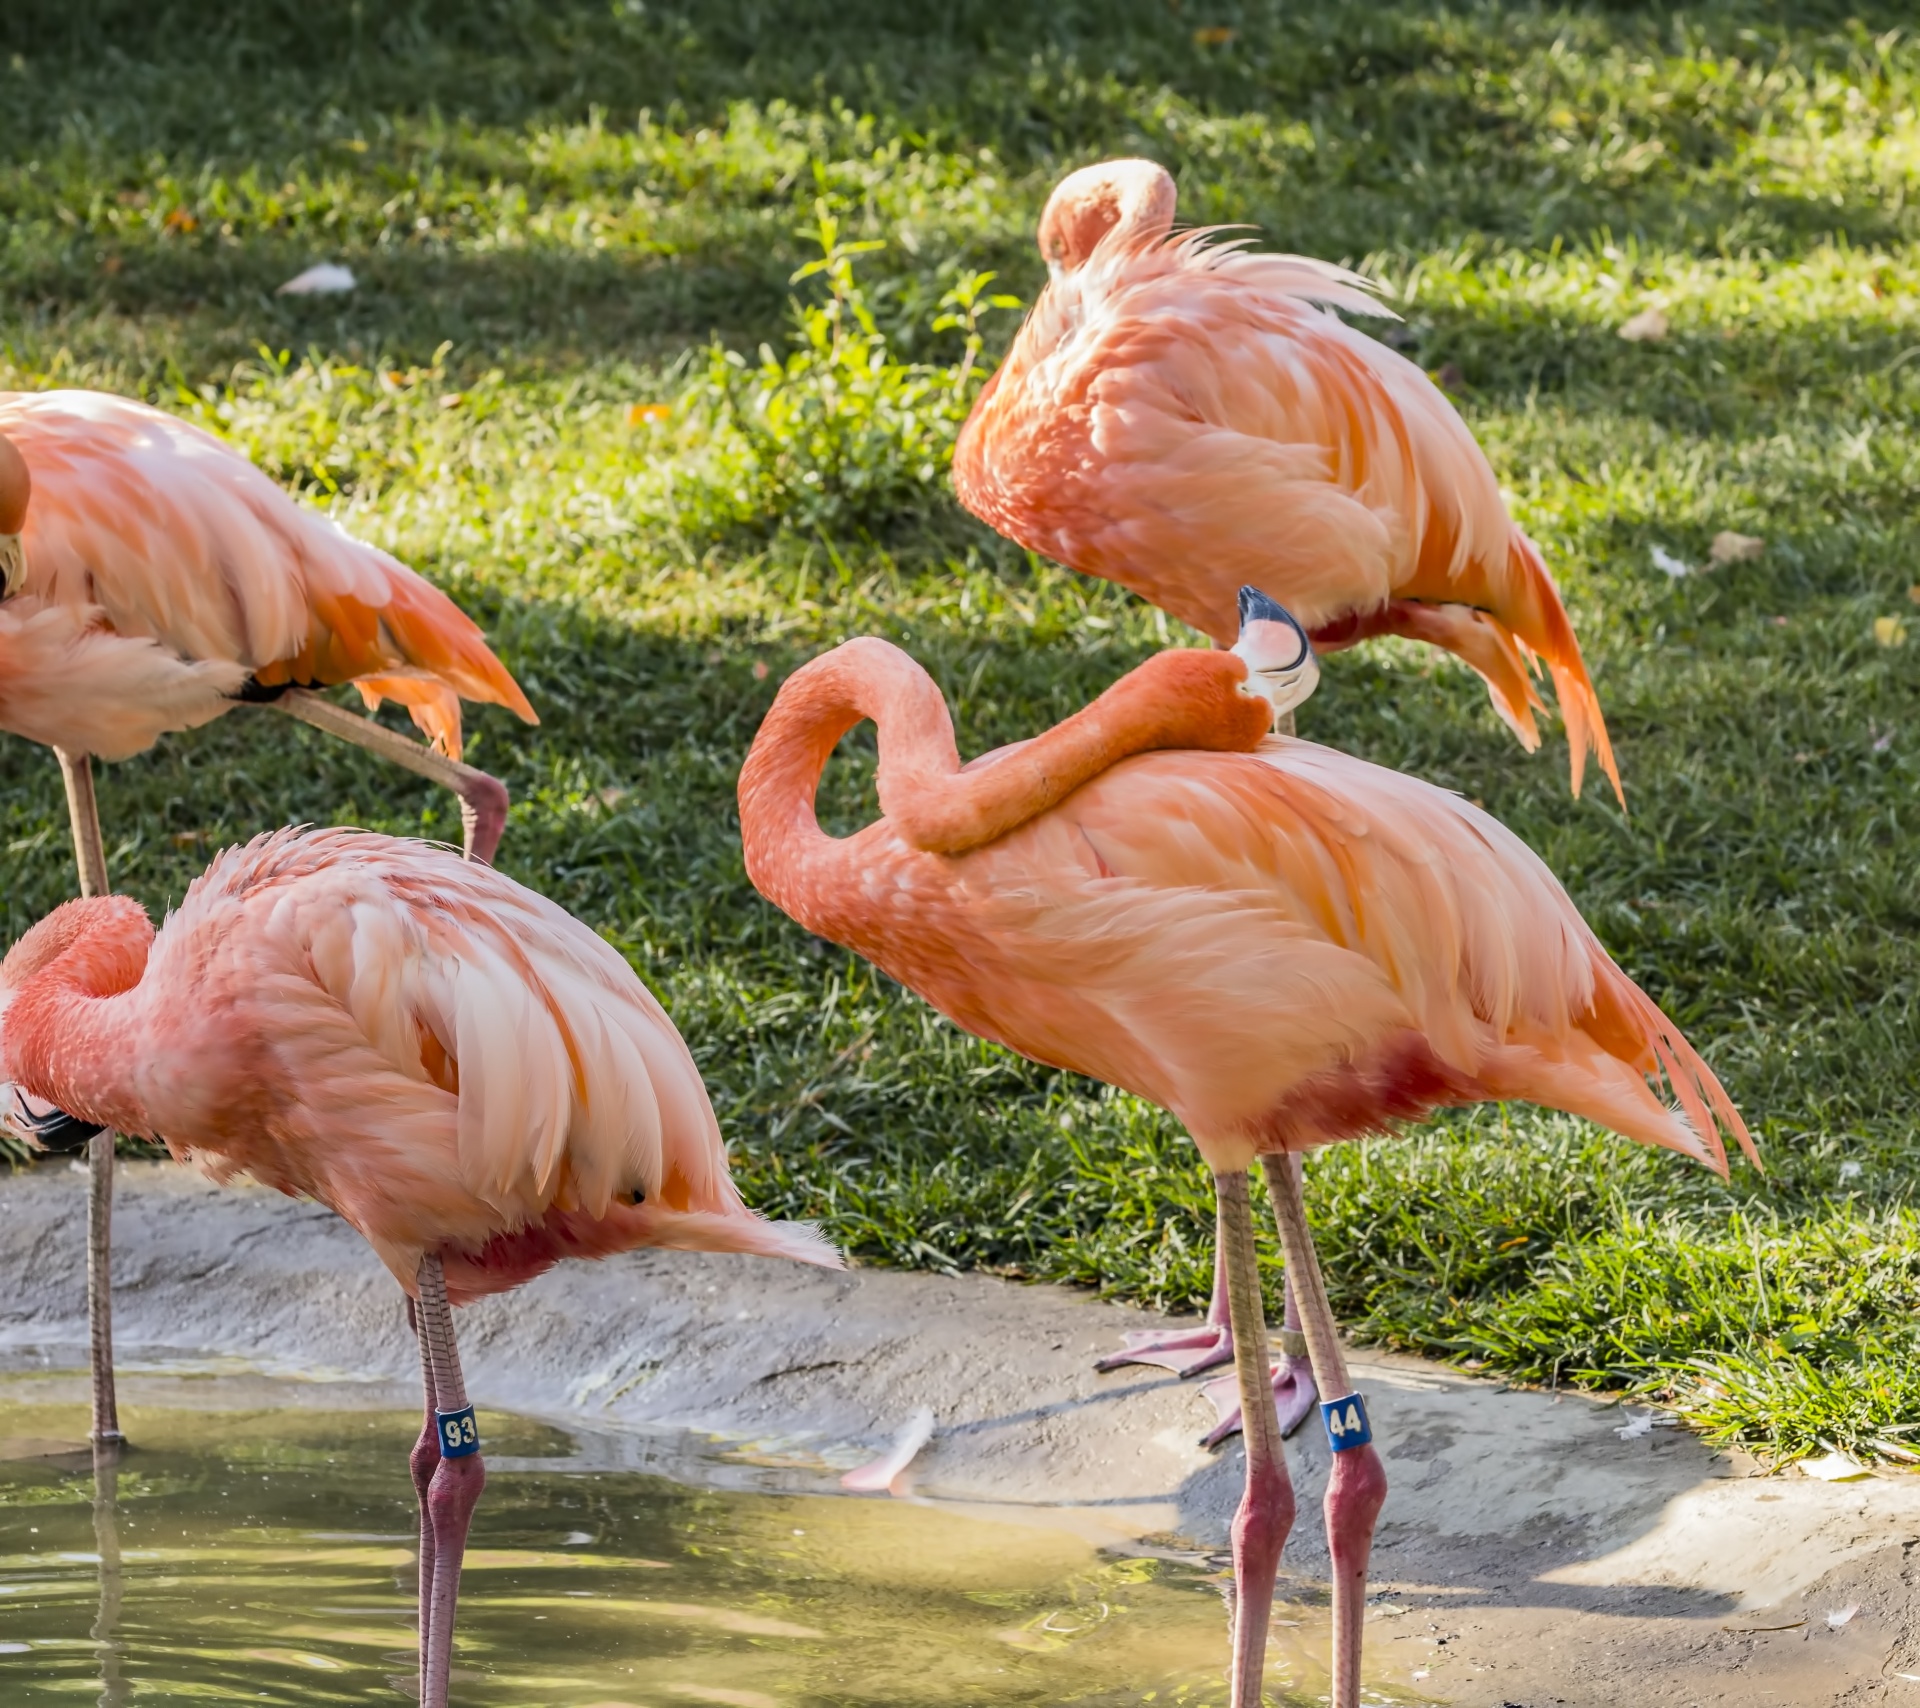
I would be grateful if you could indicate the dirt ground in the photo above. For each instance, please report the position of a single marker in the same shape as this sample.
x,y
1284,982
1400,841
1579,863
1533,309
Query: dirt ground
x,y
1528,1557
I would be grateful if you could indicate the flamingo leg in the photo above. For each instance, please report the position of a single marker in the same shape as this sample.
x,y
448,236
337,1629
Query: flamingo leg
x,y
423,1462
1357,1486
1294,1392
483,799
89,854
454,1488
1266,1507
1184,1351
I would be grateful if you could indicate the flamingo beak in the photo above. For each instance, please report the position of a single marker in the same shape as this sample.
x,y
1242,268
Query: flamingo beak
x,y
1281,666
13,566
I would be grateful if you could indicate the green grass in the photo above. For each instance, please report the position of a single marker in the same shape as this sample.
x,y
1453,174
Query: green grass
x,y
563,213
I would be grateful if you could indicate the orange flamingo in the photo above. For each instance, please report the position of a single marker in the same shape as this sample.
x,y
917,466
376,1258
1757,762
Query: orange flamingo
x,y
1282,945
471,1077
1182,417
152,579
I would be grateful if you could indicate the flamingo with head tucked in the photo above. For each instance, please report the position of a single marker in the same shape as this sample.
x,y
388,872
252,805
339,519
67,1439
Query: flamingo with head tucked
x,y
1182,417
152,579
1281,945
467,1074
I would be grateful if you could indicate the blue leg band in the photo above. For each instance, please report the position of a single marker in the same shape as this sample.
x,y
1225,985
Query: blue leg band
x,y
1347,1423
460,1435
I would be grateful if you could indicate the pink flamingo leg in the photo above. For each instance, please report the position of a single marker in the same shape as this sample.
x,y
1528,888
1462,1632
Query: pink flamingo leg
x,y
483,799
1358,1485
90,858
1186,1351
453,1491
423,1462
1294,1391
1266,1508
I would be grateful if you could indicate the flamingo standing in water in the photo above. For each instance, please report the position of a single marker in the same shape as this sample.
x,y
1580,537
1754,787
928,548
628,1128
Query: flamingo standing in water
x,y
152,579
1282,945
1183,417
468,1075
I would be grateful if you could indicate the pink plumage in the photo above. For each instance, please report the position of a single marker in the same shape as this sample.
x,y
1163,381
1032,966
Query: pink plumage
x,y
1183,417
1284,946
448,1060
161,571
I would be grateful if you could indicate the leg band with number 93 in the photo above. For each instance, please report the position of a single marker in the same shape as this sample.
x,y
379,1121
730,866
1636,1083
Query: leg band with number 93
x,y
459,1434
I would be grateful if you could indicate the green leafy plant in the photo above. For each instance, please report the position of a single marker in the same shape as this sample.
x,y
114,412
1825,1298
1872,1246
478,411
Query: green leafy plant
x,y
837,432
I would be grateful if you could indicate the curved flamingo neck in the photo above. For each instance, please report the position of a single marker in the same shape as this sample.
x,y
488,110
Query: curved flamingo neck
x,y
66,986
1186,699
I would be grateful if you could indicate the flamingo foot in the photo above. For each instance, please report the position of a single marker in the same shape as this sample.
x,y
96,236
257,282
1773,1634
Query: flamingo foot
x,y
1186,1352
1294,1397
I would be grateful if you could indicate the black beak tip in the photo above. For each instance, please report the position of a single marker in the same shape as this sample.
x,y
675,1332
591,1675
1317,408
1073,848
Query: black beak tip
x,y
1256,607
56,1132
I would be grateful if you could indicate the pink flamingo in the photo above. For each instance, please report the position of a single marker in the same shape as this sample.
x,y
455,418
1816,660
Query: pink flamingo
x,y
1282,945
1182,417
468,1075
152,579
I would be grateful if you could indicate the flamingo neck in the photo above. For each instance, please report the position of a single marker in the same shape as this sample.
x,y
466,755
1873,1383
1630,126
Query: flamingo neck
x,y
68,987
1183,699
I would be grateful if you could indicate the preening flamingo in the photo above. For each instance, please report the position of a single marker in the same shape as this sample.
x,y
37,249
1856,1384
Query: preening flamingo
x,y
1282,945
1183,417
152,579
470,1076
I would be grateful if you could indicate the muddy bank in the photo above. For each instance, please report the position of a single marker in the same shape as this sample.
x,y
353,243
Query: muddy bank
x,y
1527,1555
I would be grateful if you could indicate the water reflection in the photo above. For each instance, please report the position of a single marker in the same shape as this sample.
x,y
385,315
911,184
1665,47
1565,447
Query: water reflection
x,y
267,1556
114,1692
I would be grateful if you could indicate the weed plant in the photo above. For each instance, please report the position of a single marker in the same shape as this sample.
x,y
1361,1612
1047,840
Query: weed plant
x,y
667,317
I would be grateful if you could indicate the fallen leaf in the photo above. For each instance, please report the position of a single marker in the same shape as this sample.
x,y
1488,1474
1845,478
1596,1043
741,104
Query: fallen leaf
x,y
323,278
1218,35
1649,326
187,838
178,219
452,399
1668,564
1729,547
1840,1616
638,414
1832,1467
1890,631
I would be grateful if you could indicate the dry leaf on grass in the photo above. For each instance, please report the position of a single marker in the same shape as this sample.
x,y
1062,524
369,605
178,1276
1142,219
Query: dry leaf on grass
x,y
1890,631
1649,326
1729,547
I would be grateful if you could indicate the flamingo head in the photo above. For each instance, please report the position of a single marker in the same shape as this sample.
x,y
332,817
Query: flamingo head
x,y
1134,198
16,486
1281,667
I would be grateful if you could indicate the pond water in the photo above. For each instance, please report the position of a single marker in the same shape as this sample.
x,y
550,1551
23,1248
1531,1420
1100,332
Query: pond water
x,y
264,1553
